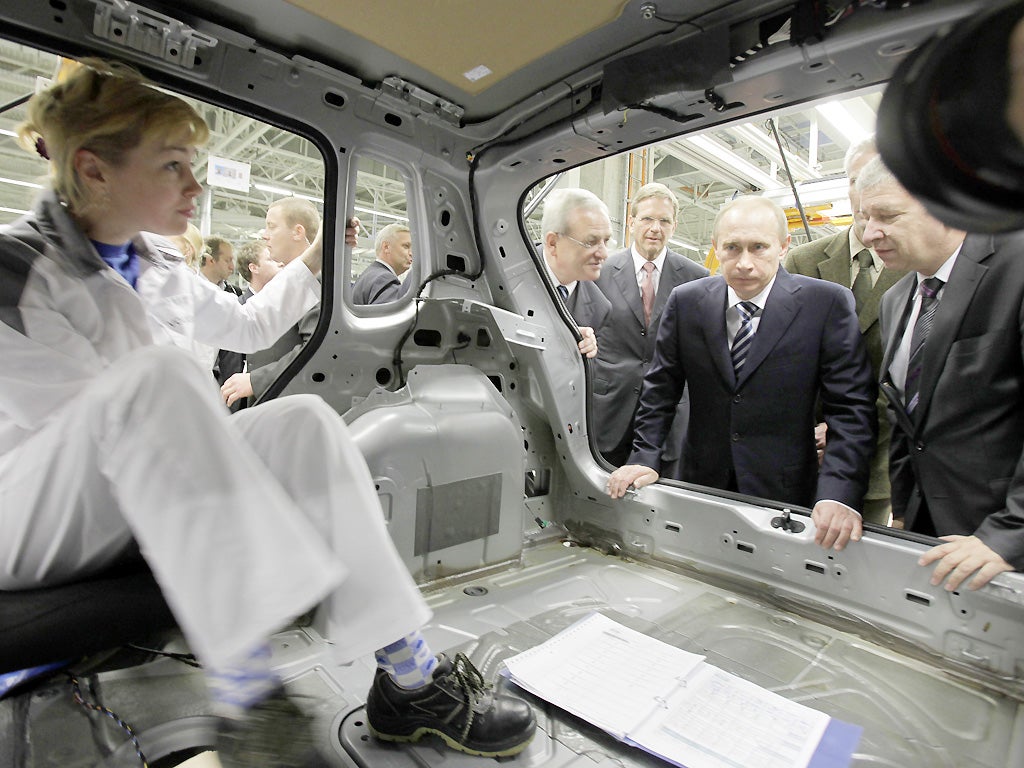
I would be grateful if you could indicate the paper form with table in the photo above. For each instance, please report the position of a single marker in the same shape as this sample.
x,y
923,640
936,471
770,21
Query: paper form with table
x,y
674,704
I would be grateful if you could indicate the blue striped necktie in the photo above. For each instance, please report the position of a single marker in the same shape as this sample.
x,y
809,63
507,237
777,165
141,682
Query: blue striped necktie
x,y
745,334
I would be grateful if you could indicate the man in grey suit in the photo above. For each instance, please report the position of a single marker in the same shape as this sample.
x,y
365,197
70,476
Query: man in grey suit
x,y
844,259
379,283
638,294
577,230
953,371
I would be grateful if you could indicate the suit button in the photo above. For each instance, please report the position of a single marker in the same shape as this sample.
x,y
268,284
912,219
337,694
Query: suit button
x,y
636,390
644,362
643,331
738,399
919,446
735,437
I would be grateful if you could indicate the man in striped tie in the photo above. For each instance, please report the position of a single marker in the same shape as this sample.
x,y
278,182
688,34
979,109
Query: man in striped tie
x,y
758,346
953,372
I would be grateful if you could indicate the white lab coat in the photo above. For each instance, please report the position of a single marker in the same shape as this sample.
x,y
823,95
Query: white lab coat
x,y
108,435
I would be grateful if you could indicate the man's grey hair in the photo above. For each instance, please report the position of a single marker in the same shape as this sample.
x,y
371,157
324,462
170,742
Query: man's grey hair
x,y
562,202
387,235
875,174
863,147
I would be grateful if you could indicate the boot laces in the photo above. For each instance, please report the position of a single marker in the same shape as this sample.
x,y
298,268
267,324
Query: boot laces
x,y
476,691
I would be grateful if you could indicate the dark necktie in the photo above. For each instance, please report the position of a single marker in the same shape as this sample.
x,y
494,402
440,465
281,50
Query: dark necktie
x,y
929,290
745,334
862,283
564,293
647,291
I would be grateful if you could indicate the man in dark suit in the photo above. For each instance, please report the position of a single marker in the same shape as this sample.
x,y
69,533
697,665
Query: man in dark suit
x,y
379,283
638,294
217,264
758,347
577,230
291,224
254,263
843,258
953,370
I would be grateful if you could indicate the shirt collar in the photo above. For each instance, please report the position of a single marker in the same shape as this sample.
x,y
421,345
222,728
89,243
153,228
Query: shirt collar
x,y
856,246
639,261
760,300
554,280
945,270
384,263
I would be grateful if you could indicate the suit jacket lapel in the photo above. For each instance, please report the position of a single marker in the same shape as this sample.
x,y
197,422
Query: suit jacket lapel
x,y
869,312
956,298
901,292
624,277
780,310
711,310
836,268
670,278
579,304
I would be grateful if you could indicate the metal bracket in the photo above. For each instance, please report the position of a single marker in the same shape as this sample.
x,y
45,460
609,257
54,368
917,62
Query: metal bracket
x,y
422,100
132,26
787,523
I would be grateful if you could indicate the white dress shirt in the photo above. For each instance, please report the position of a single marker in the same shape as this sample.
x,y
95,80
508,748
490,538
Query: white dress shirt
x,y
732,314
638,267
901,357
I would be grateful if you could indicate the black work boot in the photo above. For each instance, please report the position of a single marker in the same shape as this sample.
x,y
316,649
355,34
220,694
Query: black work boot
x,y
274,733
457,705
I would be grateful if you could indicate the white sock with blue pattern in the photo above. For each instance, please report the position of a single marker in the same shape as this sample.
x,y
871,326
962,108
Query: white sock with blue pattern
x,y
237,687
408,661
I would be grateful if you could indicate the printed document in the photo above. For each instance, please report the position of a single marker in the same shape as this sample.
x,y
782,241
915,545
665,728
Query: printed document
x,y
674,704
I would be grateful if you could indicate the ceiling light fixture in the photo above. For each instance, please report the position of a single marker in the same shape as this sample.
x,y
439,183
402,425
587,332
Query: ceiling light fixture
x,y
396,217
844,121
272,190
19,183
684,244
725,155
814,193
764,144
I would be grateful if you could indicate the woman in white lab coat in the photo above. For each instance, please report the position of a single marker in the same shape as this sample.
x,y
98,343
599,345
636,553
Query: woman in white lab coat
x,y
112,436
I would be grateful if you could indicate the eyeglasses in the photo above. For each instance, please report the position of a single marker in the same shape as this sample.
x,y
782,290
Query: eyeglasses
x,y
593,245
649,221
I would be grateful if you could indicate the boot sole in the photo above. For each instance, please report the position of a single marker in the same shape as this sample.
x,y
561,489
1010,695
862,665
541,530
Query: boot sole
x,y
456,745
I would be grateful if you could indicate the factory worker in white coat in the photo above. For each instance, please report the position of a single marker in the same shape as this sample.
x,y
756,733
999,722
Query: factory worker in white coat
x,y
112,437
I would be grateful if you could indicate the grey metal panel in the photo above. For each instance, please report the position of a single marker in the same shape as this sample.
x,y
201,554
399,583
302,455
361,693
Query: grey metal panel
x,y
458,512
447,457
